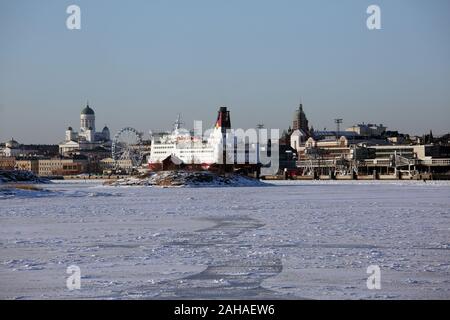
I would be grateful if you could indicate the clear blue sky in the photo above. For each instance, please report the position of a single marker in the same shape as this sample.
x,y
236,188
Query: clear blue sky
x,y
141,62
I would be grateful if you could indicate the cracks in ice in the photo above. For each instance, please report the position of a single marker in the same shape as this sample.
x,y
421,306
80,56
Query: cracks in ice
x,y
233,268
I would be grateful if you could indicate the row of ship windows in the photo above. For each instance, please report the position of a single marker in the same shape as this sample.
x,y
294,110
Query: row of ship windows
x,y
195,151
181,151
162,147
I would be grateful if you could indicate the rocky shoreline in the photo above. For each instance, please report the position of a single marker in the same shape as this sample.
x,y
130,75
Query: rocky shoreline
x,y
13,176
178,178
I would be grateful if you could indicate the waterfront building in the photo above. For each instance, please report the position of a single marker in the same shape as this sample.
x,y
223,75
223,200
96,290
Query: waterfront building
x,y
62,166
27,165
368,130
13,148
7,163
109,164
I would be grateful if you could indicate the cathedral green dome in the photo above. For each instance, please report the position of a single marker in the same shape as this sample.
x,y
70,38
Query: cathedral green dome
x,y
87,110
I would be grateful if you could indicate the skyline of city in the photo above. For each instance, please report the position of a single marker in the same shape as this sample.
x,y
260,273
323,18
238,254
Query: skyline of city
x,y
208,124
141,65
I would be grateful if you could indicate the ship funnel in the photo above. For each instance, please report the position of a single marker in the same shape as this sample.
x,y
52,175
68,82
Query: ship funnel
x,y
223,119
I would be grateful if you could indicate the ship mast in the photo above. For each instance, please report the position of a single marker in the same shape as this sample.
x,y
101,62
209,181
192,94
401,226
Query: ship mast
x,y
178,122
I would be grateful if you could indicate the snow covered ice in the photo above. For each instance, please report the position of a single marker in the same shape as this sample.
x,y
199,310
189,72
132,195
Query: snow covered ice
x,y
290,240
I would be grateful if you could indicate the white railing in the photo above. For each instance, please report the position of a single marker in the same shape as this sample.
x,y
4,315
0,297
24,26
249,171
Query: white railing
x,y
377,162
316,163
435,162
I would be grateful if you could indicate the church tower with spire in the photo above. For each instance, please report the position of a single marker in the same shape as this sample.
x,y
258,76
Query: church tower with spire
x,y
300,122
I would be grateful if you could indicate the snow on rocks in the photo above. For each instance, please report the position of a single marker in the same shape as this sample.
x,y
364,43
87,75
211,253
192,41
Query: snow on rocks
x,y
189,179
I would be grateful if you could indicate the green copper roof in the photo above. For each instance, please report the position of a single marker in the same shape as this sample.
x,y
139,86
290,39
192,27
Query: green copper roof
x,y
87,110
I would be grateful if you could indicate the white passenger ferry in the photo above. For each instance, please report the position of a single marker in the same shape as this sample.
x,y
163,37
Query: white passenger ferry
x,y
188,149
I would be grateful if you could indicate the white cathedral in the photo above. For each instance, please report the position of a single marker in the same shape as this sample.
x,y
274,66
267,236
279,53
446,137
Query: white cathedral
x,y
87,138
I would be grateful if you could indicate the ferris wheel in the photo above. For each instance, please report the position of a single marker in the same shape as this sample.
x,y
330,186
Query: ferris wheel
x,y
127,145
